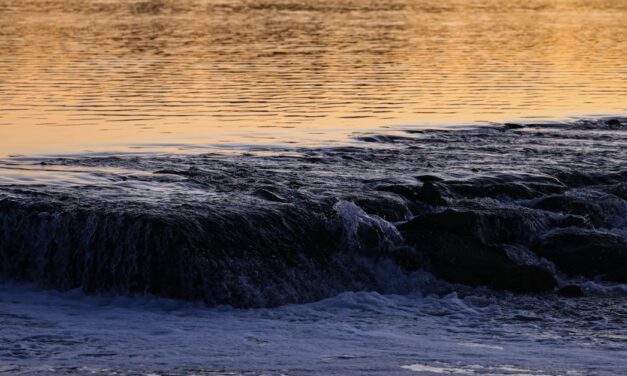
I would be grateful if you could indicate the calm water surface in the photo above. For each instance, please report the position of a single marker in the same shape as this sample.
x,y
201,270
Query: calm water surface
x,y
115,75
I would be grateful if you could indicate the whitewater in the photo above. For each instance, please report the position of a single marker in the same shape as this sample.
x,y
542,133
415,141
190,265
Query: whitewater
x,y
354,333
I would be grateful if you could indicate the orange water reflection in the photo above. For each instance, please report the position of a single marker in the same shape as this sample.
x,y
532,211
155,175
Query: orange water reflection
x,y
119,75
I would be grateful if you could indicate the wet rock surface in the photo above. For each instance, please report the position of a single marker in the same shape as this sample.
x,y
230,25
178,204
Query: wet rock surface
x,y
571,291
586,252
467,247
296,225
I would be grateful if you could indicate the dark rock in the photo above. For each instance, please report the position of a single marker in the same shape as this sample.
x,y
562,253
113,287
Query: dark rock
x,y
408,259
383,138
281,254
467,247
573,205
428,178
410,192
619,190
613,123
267,195
506,185
221,235
586,252
570,291
472,189
489,226
570,221
523,278
514,126
432,194
575,178
388,207
527,318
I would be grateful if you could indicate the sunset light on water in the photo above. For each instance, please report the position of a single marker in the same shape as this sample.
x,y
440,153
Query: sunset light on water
x,y
80,76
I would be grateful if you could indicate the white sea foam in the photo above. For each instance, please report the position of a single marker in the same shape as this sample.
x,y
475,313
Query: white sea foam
x,y
353,333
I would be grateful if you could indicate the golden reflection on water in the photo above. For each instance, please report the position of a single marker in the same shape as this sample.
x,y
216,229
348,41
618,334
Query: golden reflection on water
x,y
121,74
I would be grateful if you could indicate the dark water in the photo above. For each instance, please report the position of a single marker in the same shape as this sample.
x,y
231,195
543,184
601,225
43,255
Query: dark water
x,y
159,74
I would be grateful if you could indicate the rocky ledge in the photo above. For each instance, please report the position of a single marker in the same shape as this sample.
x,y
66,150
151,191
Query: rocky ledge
x,y
519,207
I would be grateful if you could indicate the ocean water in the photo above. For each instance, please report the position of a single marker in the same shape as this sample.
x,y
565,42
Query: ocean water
x,y
183,76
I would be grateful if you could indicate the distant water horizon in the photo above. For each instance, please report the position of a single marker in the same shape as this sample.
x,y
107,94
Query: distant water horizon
x,y
126,76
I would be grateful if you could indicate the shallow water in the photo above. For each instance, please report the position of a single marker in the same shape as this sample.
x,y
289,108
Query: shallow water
x,y
159,74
